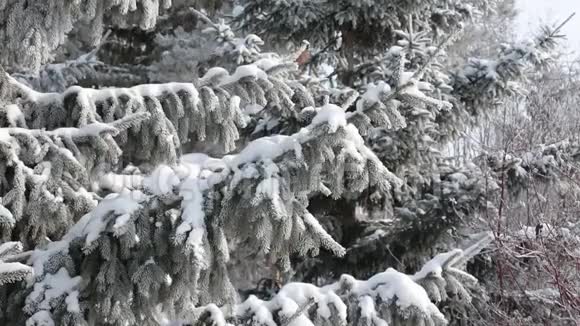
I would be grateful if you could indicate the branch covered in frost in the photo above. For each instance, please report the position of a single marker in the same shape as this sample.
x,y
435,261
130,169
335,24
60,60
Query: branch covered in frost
x,y
32,30
545,163
244,50
494,78
386,298
45,174
178,228
12,271
209,111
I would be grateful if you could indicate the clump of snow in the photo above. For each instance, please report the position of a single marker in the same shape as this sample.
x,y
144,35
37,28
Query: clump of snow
x,y
72,302
391,285
193,215
368,311
121,221
259,308
41,317
374,92
269,187
161,181
54,286
260,149
213,75
91,225
217,316
6,216
118,182
11,272
10,248
14,114
267,63
297,295
124,203
5,135
90,130
243,72
434,267
253,109
332,114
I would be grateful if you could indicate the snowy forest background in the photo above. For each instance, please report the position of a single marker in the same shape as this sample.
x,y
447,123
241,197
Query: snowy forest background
x,y
286,163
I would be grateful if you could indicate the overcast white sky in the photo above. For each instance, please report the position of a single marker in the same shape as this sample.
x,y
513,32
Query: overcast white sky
x,y
535,12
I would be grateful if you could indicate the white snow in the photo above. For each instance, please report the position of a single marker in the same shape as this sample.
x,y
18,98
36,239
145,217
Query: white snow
x,y
40,318
91,225
88,96
161,181
193,215
392,284
267,63
118,182
333,115
434,267
297,295
374,91
6,216
260,149
259,308
214,74
52,287
10,248
121,221
119,204
14,114
5,135
217,316
242,72
253,109
90,130
368,311
72,302
269,188
16,269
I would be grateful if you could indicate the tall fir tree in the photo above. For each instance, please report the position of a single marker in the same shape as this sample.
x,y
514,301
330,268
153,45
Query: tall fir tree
x,y
134,186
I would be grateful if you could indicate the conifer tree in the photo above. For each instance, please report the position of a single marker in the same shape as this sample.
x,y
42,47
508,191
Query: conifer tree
x,y
129,205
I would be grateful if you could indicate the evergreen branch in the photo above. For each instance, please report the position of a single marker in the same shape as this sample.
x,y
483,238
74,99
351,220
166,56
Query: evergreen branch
x,y
91,130
17,258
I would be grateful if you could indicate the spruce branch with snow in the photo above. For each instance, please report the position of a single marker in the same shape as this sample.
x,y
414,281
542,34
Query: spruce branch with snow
x,y
31,32
10,269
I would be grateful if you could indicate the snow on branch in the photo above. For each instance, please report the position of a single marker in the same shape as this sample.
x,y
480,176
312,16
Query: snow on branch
x,y
243,49
12,271
498,76
31,33
208,111
91,130
202,210
45,173
544,163
386,298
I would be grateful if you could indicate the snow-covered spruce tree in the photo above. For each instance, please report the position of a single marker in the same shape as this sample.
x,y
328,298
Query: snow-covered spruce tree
x,y
168,245
436,197
160,248
157,247
413,152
